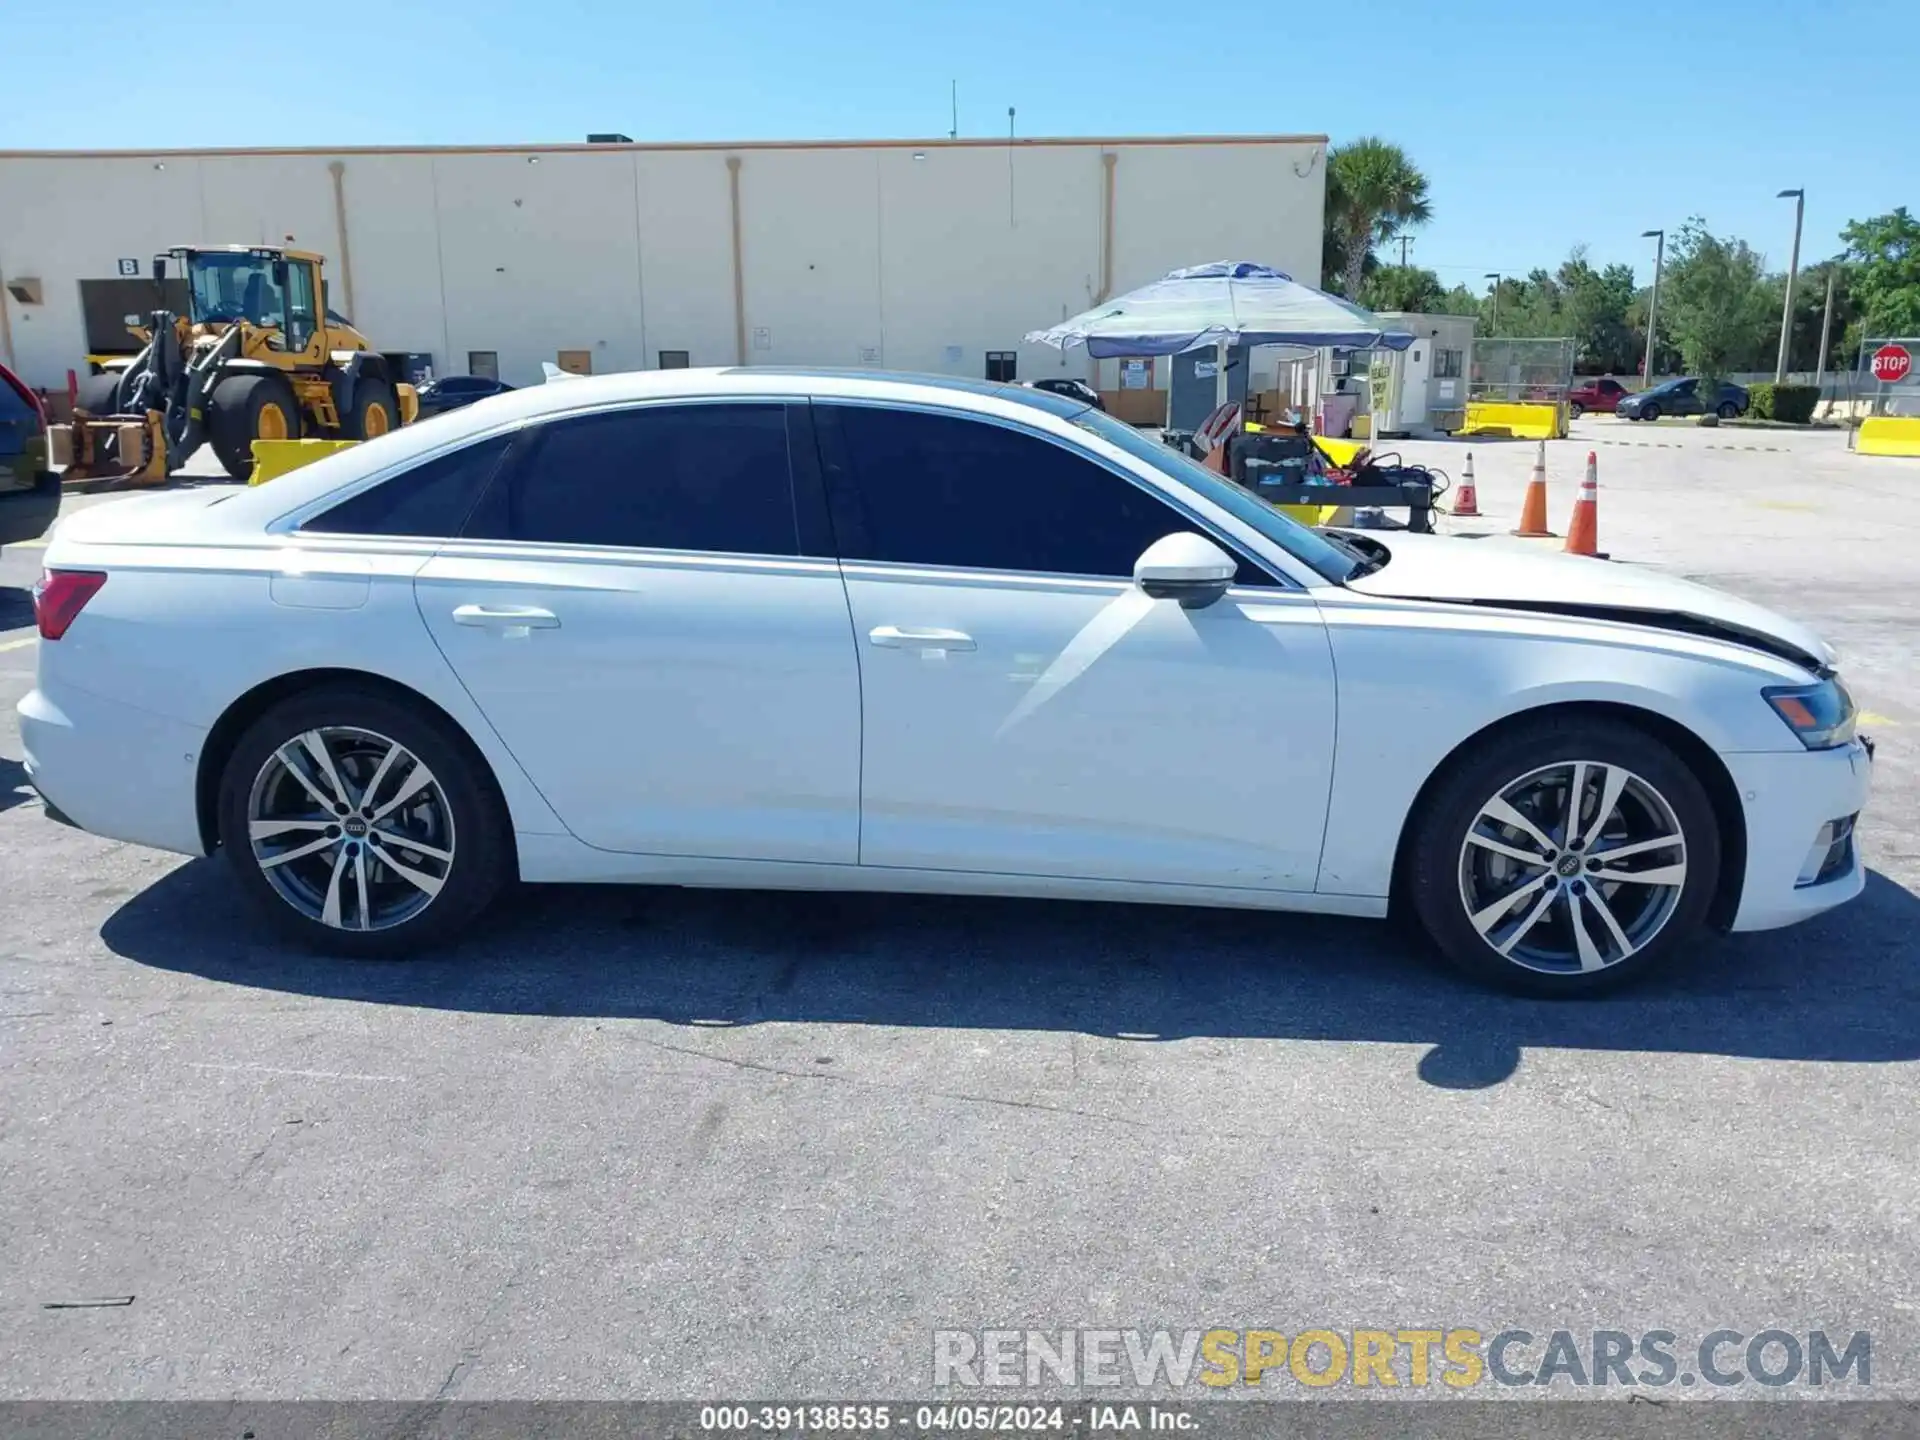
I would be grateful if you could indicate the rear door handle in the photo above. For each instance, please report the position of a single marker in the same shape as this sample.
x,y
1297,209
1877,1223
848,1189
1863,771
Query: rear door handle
x,y
506,617
902,637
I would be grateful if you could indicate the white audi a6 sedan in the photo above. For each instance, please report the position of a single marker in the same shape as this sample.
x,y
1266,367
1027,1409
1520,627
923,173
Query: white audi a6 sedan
x,y
818,630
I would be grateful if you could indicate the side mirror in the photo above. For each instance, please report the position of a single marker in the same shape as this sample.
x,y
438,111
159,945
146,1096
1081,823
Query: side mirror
x,y
159,269
1185,567
280,274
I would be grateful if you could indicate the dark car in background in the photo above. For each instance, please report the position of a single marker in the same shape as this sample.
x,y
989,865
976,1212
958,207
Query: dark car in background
x,y
1683,397
1072,389
450,392
1599,394
29,491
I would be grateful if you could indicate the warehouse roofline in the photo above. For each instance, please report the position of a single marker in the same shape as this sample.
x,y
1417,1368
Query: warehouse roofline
x,y
589,148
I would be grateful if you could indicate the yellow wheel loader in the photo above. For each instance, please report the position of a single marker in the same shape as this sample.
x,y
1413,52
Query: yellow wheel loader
x,y
257,356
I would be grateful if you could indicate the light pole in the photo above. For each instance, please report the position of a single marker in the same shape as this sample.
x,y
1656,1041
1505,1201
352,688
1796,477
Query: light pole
x,y
1799,198
1405,240
1659,238
1494,276
1826,332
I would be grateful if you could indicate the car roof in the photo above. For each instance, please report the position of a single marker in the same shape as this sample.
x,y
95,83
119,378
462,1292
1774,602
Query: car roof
x,y
513,408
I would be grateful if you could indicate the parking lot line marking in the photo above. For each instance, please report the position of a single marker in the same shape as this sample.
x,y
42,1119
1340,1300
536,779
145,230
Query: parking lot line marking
x,y
301,1074
1874,717
18,644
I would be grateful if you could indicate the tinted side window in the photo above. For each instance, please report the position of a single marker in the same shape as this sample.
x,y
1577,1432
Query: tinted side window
x,y
663,477
432,499
924,489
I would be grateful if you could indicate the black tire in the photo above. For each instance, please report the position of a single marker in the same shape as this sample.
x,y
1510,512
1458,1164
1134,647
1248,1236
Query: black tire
x,y
477,834
1438,874
1728,410
1649,411
1575,410
237,410
376,410
99,394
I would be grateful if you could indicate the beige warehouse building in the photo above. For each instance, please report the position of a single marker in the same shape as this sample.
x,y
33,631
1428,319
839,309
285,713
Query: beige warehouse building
x,y
907,255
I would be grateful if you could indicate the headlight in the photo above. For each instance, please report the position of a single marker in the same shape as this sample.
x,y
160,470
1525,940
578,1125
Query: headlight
x,y
1821,715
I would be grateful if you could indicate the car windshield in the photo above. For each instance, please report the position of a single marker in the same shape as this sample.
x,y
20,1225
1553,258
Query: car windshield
x,y
234,287
1328,558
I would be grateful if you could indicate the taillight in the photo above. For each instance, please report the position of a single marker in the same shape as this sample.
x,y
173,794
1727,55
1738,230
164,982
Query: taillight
x,y
61,595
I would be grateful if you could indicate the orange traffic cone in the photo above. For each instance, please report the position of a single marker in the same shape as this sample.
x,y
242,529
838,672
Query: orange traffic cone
x,y
1583,534
1467,501
1533,511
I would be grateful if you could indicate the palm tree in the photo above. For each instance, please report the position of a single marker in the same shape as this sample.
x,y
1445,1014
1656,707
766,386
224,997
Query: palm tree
x,y
1373,192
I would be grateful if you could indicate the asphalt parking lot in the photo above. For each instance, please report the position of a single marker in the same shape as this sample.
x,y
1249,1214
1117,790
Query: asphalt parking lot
x,y
634,1144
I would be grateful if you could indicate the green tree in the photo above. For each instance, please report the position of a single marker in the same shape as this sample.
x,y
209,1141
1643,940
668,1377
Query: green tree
x,y
1884,256
1715,298
1594,305
1403,287
1524,306
1809,307
1666,354
1373,193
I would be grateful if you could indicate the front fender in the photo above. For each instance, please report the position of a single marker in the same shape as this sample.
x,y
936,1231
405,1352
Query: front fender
x,y
1416,681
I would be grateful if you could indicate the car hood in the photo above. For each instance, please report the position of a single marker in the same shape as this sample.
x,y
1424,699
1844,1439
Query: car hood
x,y
1512,575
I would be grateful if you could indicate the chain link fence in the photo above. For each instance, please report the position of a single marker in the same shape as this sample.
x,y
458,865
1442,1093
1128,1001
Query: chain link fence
x,y
1868,396
1520,371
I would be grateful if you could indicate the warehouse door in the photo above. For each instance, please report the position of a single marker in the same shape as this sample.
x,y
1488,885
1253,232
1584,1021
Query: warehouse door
x,y
105,305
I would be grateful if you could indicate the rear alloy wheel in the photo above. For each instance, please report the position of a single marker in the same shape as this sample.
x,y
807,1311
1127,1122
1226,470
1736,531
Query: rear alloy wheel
x,y
1728,410
360,825
1567,859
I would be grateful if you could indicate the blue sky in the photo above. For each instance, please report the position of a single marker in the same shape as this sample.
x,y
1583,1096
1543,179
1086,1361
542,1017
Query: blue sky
x,y
1541,126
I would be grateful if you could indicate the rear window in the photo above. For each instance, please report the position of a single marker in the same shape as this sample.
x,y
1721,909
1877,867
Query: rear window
x,y
431,500
709,477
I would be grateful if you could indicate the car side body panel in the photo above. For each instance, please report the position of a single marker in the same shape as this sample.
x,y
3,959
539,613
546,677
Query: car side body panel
x,y
1479,667
181,632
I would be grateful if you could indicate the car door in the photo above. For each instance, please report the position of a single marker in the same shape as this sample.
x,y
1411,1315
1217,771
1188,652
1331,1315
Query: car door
x,y
1685,399
632,606
1026,710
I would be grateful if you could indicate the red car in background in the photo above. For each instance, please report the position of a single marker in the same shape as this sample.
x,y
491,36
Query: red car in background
x,y
29,491
1600,394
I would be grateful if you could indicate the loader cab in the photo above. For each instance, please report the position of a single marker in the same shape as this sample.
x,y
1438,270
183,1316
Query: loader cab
x,y
268,289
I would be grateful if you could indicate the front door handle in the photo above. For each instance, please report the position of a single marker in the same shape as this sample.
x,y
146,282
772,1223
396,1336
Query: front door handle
x,y
904,637
506,617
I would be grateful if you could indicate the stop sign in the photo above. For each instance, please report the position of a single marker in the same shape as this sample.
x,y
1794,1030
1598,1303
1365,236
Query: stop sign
x,y
1891,364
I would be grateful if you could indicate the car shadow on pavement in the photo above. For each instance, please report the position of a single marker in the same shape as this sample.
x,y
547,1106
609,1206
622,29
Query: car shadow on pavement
x,y
14,789
1845,986
16,608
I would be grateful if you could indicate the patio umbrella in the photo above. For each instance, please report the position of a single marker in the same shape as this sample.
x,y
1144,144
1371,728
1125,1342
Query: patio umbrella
x,y
1230,302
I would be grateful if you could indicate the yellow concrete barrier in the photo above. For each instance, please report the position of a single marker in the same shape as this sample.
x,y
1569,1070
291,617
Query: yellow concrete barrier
x,y
274,458
1889,435
1527,422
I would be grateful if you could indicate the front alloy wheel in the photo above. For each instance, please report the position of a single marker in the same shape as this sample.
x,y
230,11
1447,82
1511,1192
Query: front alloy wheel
x,y
1564,854
1572,867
